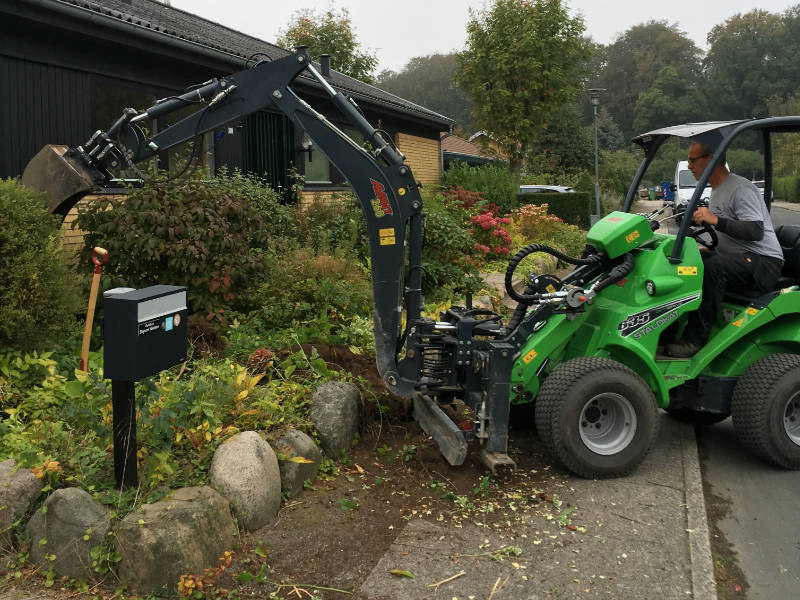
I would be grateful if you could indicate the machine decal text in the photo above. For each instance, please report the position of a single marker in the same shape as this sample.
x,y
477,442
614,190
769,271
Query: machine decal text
x,y
380,204
653,318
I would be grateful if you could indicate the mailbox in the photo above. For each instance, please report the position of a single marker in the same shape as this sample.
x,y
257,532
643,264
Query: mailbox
x,y
144,331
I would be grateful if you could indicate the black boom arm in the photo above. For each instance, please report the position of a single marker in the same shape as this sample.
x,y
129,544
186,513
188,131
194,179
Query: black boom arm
x,y
384,185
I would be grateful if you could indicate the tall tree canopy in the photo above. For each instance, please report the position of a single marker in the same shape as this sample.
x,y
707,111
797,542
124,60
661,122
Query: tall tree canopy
x,y
330,32
743,64
524,59
668,101
428,81
631,65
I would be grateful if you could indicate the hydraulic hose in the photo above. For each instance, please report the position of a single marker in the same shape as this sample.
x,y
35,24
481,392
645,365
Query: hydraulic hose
x,y
616,274
529,299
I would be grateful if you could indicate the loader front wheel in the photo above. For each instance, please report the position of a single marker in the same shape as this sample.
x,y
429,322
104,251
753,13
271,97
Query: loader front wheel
x,y
597,417
766,409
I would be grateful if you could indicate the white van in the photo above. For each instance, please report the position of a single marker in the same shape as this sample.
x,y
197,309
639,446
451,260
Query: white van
x,y
686,184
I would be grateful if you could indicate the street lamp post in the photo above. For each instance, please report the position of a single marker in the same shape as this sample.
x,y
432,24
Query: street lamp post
x,y
595,100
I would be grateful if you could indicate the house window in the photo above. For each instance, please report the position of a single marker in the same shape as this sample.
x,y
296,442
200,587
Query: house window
x,y
317,169
316,166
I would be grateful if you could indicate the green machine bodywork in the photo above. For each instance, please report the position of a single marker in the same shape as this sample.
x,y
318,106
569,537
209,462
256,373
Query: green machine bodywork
x,y
593,366
626,320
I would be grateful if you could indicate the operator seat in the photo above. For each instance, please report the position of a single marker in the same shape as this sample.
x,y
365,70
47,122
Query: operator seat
x,y
789,239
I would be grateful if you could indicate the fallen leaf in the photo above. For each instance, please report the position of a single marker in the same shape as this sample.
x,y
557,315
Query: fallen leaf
x,y
399,573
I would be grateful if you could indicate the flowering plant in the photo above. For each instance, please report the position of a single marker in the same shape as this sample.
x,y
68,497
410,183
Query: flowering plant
x,y
492,241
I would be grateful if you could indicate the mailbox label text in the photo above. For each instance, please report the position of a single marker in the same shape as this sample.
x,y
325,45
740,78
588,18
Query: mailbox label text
x,y
151,325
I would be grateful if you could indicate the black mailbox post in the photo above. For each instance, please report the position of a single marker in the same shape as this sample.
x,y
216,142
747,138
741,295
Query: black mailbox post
x,y
144,332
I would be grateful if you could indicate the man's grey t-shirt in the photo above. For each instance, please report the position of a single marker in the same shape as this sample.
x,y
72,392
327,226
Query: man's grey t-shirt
x,y
737,198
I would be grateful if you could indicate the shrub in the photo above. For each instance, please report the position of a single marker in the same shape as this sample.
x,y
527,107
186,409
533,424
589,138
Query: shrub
x,y
787,188
494,181
336,226
573,208
491,238
38,293
532,224
324,292
446,255
278,218
206,235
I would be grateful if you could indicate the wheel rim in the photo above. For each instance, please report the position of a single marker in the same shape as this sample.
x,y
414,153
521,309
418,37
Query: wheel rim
x,y
607,424
791,418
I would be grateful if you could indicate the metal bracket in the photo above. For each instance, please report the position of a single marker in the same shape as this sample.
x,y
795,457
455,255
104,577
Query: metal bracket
x,y
451,440
492,460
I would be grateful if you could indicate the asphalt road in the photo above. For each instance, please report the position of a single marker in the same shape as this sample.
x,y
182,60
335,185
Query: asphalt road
x,y
785,213
754,505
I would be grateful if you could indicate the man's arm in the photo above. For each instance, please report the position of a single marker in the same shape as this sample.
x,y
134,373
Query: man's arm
x,y
742,230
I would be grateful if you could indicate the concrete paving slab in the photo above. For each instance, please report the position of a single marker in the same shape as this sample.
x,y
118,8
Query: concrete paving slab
x,y
633,541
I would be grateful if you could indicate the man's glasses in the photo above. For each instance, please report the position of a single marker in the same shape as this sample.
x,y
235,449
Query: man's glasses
x,y
694,159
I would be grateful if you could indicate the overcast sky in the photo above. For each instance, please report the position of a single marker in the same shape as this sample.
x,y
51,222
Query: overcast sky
x,y
398,31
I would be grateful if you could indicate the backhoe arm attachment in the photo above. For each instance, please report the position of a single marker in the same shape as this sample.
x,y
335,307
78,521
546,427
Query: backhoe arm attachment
x,y
384,185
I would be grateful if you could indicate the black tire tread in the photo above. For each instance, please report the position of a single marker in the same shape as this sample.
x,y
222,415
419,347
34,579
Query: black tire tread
x,y
548,416
752,396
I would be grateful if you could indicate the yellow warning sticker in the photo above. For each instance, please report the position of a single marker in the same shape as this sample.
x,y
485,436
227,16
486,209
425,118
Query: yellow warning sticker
x,y
687,270
738,322
631,236
387,236
529,356
551,288
751,311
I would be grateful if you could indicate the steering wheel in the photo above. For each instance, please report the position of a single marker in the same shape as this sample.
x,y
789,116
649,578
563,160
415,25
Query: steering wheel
x,y
696,231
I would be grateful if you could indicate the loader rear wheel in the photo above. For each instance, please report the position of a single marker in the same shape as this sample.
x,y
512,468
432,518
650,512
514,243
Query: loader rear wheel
x,y
766,409
596,416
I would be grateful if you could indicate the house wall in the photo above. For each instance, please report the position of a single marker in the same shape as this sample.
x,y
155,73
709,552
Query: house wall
x,y
423,155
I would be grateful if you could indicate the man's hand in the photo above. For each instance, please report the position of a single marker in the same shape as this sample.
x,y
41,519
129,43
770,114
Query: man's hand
x,y
703,215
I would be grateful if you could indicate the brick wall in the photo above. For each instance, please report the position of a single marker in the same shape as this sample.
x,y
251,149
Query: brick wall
x,y
72,239
423,155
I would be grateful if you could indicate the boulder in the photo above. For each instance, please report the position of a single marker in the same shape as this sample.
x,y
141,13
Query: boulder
x,y
245,470
69,525
334,412
292,443
18,489
183,534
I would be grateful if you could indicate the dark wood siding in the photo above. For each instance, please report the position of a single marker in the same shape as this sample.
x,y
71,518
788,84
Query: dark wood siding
x,y
39,105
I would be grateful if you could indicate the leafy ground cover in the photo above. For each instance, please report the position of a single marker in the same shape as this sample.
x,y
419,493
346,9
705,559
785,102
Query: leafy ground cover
x,y
325,542
284,305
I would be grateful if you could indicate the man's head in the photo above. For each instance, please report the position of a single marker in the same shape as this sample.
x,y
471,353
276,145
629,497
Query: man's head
x,y
699,157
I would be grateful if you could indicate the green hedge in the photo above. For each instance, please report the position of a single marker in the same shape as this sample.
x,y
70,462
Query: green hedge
x,y
572,208
787,188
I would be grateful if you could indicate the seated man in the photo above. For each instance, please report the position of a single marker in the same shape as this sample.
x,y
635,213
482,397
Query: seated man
x,y
748,255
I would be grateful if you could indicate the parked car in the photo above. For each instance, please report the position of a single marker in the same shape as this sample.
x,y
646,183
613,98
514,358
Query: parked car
x,y
544,189
759,183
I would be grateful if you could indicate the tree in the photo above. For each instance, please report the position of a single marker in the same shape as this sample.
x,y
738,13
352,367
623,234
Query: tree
x,y
609,135
566,144
633,62
330,33
524,59
669,101
428,81
741,64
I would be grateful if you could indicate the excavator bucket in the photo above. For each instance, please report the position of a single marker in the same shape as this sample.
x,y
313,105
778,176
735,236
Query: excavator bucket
x,y
62,180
